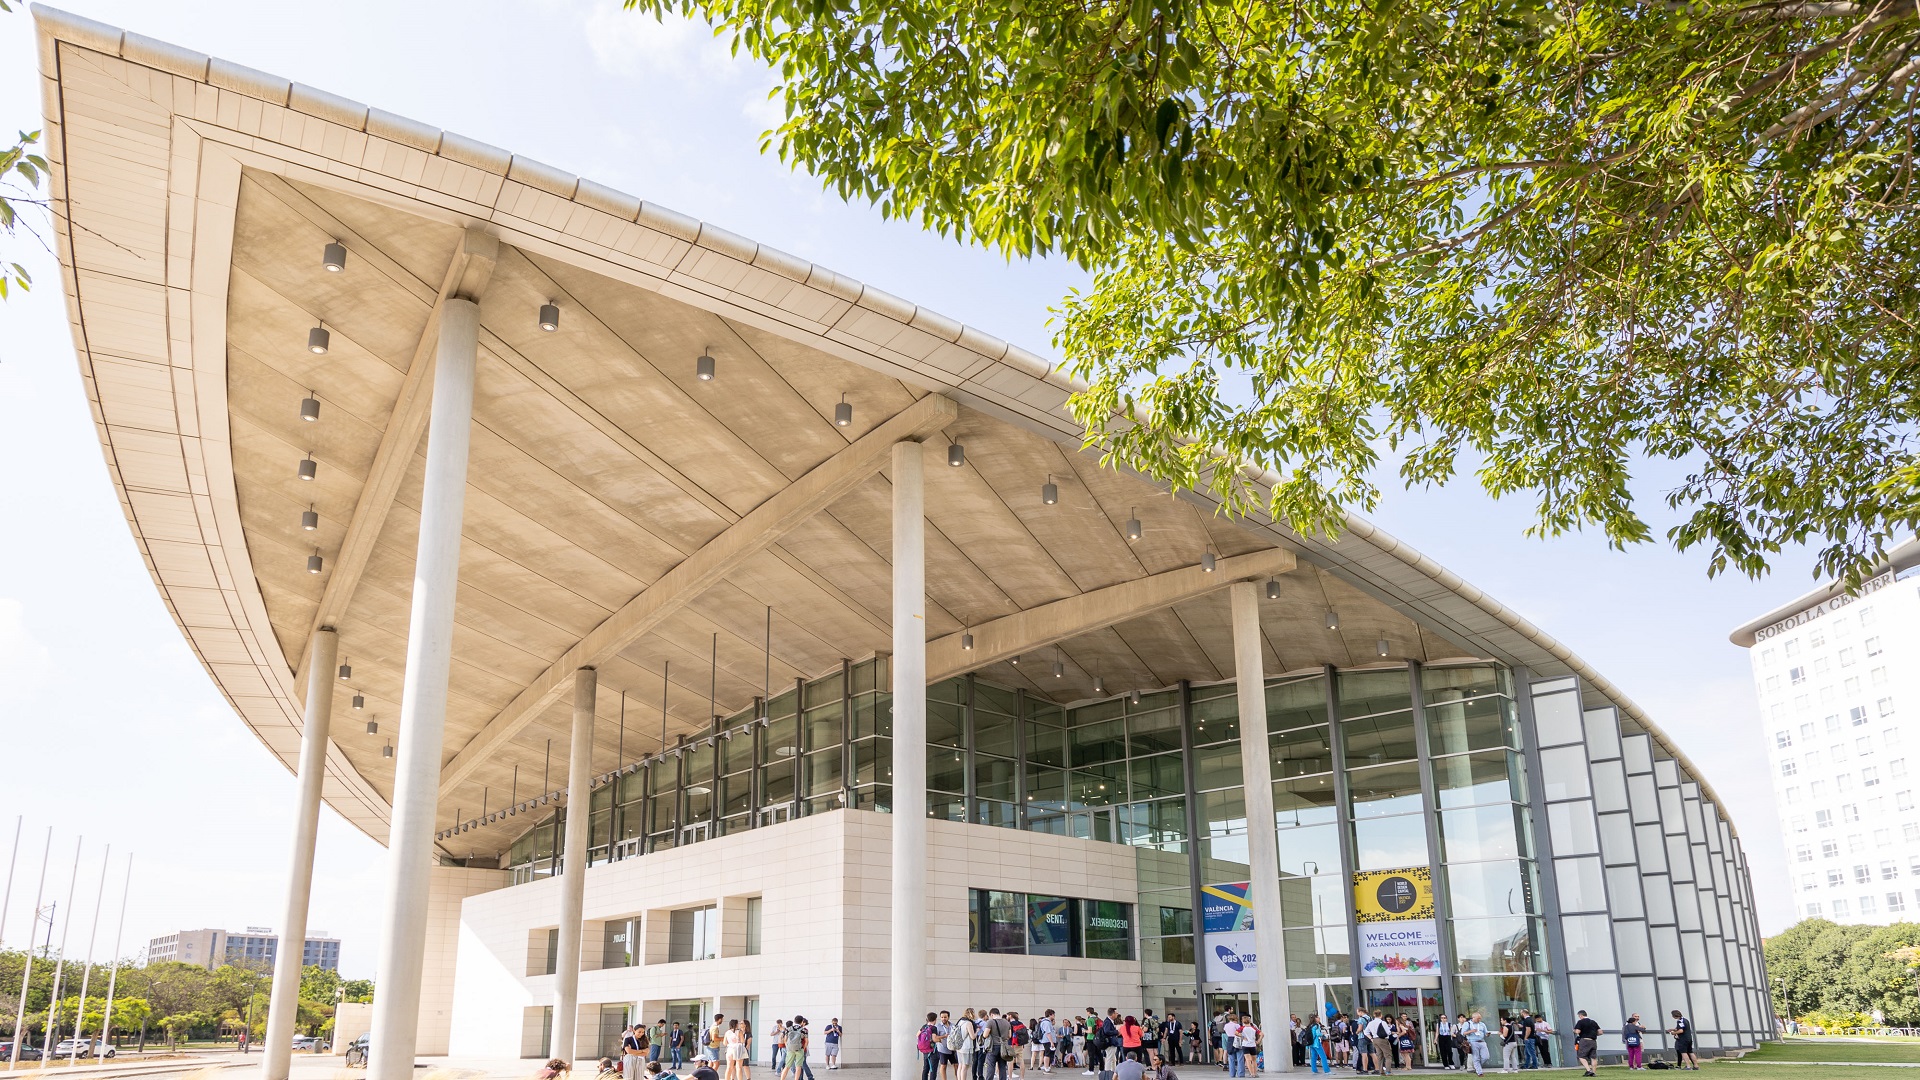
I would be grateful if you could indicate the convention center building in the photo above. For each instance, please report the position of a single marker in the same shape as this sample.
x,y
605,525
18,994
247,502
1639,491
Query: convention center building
x,y
486,493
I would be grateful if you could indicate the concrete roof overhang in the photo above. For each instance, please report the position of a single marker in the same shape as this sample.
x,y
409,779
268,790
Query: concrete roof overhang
x,y
618,511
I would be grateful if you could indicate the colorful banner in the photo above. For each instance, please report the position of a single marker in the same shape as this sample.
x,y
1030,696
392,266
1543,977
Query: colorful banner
x,y
1393,895
1399,947
1226,924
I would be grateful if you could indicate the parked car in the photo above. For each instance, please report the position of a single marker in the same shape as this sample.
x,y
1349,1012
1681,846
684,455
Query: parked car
x,y
357,1051
28,1051
80,1048
304,1042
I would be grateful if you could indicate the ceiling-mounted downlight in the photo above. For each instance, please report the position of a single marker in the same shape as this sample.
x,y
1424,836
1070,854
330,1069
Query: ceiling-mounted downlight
x,y
334,256
549,316
318,339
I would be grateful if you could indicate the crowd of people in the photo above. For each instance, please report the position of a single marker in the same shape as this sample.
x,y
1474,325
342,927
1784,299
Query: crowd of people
x,y
987,1044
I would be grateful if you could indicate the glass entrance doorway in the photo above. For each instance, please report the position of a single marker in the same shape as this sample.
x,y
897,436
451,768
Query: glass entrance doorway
x,y
691,1015
1420,1005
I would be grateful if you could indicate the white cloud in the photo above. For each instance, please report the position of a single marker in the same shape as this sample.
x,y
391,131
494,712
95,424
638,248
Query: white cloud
x,y
639,46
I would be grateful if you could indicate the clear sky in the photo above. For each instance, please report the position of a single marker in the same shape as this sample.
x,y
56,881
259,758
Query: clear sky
x,y
110,728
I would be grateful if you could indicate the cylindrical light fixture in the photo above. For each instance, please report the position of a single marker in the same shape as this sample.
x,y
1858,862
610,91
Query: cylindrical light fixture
x,y
1049,491
1059,669
549,317
346,672
314,563
386,751
1099,685
1333,619
318,339
309,408
373,727
1133,524
1382,647
359,701
1016,660
966,641
1273,588
309,468
1207,561
956,455
703,367
1135,699
843,412
309,518
334,257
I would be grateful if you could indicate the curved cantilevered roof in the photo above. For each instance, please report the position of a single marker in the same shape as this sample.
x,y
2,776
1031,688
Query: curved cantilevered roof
x,y
619,512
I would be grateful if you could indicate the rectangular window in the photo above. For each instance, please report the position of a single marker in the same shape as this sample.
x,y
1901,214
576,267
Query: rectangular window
x,y
1819,665
1823,819
1773,683
1867,906
1877,677
1862,874
1836,878
1107,928
1866,616
1910,832
1858,714
1817,789
1798,823
1896,902
1796,675
1807,883
1807,732
1863,746
1793,794
1813,910
693,934
999,921
1789,768
1053,926
1846,657
1889,870
1792,648
1849,813
1872,646
1843,782
1803,853
754,942
1903,800
1783,739
1897,768
618,950
1885,706
1869,777
1856,844
1766,657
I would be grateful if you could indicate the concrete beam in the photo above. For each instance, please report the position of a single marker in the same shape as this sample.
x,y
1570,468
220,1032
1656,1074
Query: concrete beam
x,y
466,276
1033,628
700,571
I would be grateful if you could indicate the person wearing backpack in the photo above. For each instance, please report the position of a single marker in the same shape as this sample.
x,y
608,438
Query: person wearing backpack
x,y
1632,1035
924,1042
960,1043
797,1051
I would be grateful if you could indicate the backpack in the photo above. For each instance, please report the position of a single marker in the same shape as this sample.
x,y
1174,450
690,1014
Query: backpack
x,y
957,1036
1020,1035
924,1043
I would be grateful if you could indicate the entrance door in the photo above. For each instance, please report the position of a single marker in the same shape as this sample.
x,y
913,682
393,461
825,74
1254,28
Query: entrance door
x,y
691,1015
752,1012
1421,1004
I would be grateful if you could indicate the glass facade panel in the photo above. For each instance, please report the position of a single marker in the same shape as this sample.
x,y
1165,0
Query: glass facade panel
x,y
1474,779
1389,843
1482,832
1557,718
1476,890
1493,945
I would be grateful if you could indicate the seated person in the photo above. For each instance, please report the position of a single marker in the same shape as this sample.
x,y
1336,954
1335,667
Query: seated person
x,y
1130,1068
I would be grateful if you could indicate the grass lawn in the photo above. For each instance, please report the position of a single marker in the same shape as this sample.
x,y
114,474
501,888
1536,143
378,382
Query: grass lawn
x,y
1838,1048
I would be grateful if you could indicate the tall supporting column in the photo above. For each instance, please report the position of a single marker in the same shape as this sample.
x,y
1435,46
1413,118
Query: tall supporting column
x,y
573,867
1263,848
284,1006
909,952
423,698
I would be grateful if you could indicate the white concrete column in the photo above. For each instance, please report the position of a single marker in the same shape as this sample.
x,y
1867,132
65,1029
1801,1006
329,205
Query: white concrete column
x,y
1263,849
573,866
909,664
283,1007
423,698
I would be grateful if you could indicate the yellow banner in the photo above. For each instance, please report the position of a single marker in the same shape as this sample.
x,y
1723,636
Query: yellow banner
x,y
1391,895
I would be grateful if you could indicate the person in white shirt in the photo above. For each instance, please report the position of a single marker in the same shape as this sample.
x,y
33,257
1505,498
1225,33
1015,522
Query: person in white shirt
x,y
1248,1041
1379,1035
1230,1040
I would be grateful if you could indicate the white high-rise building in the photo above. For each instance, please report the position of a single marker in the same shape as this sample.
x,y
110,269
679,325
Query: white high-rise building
x,y
1838,678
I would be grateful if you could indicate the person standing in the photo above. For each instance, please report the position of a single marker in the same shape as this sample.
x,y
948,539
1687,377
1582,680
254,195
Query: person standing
x,y
1316,1037
926,1042
633,1043
1230,1045
1542,1041
1476,1033
1529,1045
677,1044
1150,1040
1509,1044
943,1033
999,1045
797,1050
1249,1040
1586,1041
960,1041
1380,1041
732,1042
831,1033
1632,1035
656,1042
1443,1041
1682,1032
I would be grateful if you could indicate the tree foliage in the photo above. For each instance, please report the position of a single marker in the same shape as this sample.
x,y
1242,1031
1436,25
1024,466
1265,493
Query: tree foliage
x,y
1549,237
184,1000
1821,967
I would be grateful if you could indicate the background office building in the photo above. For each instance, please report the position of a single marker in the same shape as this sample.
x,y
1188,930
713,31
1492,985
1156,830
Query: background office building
x,y
1838,679
705,631
257,947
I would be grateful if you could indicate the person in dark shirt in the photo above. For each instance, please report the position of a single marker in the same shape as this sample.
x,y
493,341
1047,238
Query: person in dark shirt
x,y
1586,1040
705,1072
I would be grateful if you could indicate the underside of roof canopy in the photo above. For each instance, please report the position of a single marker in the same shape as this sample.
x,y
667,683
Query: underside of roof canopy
x,y
697,541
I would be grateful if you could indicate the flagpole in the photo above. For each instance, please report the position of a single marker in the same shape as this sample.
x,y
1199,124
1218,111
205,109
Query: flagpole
x,y
106,1022
60,965
86,976
26,977
7,901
